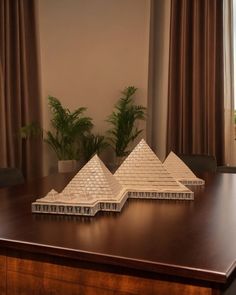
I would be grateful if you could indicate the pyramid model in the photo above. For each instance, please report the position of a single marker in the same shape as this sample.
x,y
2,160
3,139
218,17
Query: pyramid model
x,y
180,171
143,174
94,180
92,189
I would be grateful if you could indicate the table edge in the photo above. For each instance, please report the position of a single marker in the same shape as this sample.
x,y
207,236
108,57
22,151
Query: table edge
x,y
119,261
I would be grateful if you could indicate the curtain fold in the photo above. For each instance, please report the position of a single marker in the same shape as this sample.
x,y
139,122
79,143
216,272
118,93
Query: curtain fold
x,y
230,158
196,87
19,86
158,76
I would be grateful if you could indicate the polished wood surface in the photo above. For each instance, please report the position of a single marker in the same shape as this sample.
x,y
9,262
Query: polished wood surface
x,y
190,239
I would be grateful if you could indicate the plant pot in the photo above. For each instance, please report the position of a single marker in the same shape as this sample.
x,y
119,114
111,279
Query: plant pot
x,y
65,166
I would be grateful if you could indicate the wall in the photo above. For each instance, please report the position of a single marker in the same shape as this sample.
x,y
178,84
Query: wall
x,y
91,50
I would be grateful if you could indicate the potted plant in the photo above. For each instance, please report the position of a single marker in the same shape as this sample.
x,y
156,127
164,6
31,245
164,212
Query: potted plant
x,y
68,129
124,119
93,144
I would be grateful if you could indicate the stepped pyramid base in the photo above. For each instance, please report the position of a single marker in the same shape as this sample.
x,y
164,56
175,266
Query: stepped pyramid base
x,y
82,209
161,195
192,182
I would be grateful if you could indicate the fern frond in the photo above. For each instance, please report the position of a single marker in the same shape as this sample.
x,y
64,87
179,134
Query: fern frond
x,y
68,128
123,121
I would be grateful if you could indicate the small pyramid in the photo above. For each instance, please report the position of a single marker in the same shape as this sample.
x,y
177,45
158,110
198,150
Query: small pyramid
x,y
144,176
180,171
92,189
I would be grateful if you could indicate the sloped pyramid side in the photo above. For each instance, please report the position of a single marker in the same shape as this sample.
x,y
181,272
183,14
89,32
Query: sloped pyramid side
x,y
92,189
180,171
93,180
143,172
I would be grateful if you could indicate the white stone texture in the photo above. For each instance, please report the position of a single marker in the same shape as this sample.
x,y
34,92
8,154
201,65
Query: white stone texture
x,y
142,171
93,182
180,171
92,185
94,188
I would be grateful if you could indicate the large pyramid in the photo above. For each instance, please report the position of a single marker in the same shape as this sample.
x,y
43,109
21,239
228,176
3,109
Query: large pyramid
x,y
92,189
180,171
144,176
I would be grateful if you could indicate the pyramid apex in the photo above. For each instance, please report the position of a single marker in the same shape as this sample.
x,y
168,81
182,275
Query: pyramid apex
x,y
95,157
142,141
171,154
142,145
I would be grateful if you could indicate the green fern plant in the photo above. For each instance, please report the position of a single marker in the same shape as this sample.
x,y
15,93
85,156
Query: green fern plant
x,y
124,119
68,127
93,144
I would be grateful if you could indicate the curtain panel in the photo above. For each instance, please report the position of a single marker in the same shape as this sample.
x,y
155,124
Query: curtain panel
x,y
196,87
19,86
230,146
158,76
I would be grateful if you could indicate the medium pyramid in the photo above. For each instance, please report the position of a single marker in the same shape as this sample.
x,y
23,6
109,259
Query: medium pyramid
x,y
143,174
95,181
92,189
180,171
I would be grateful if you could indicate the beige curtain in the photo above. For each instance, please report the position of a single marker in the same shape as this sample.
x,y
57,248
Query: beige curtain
x,y
230,149
19,86
196,92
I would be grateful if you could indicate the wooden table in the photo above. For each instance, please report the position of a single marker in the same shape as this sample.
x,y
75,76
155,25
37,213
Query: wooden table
x,y
151,247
